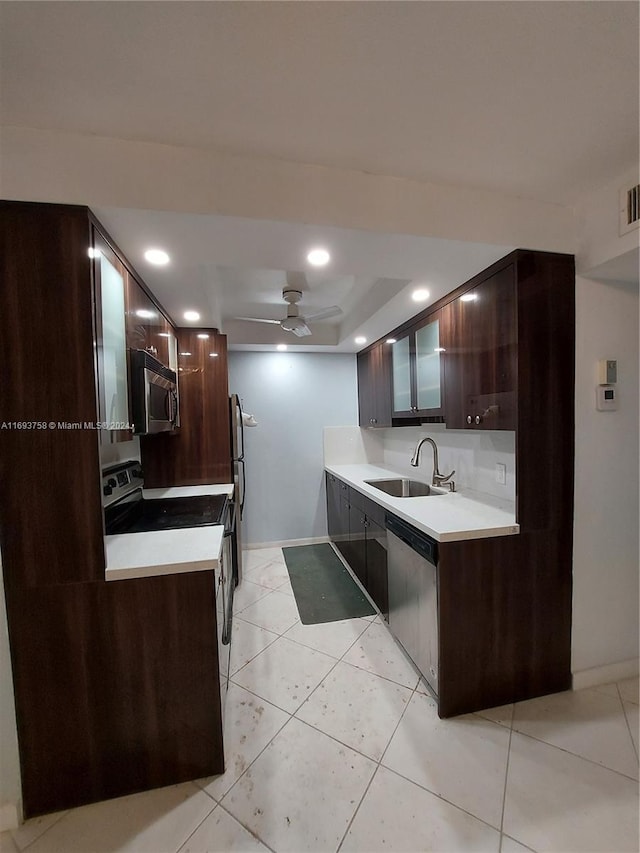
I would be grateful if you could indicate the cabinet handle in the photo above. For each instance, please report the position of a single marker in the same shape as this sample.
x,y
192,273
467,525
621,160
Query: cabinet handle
x,y
469,419
374,420
478,419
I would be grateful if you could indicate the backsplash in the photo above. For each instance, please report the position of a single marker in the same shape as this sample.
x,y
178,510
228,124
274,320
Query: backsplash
x,y
350,445
120,451
473,454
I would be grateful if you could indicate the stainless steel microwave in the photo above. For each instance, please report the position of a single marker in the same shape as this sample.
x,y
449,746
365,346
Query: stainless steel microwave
x,y
154,395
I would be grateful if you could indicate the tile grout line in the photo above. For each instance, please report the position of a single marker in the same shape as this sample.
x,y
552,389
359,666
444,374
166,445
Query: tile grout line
x,y
633,743
250,831
196,828
506,779
357,809
378,764
44,832
575,755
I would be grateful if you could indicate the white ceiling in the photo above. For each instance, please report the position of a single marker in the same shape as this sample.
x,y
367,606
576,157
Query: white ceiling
x,y
533,99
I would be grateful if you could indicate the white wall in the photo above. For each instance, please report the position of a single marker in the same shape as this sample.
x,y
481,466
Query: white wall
x,y
10,791
598,213
44,165
605,572
292,396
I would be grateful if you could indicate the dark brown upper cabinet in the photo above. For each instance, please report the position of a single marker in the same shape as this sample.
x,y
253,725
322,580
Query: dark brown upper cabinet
x,y
480,343
374,386
147,326
417,376
200,451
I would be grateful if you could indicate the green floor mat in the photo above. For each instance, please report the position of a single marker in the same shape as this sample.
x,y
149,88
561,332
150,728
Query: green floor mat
x,y
324,589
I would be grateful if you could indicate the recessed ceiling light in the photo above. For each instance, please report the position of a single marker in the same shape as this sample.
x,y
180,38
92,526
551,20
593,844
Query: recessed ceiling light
x,y
157,257
391,340
145,314
318,257
360,339
191,315
468,297
185,353
213,355
203,336
420,295
281,347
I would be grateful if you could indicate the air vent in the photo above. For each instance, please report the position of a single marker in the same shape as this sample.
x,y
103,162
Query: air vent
x,y
629,209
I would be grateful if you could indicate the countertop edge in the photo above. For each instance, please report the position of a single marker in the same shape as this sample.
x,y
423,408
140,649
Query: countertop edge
x,y
463,534
156,571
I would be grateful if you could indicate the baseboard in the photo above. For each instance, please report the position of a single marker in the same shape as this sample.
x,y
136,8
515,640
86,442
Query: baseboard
x,y
286,543
10,814
605,674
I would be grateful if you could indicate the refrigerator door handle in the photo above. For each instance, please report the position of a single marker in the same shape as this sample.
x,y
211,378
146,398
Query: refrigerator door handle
x,y
241,451
244,482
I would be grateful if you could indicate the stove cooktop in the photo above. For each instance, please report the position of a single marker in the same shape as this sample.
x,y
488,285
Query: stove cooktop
x,y
141,516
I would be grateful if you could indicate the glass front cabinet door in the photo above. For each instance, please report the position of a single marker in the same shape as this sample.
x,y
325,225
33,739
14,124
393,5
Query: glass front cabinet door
x,y
109,273
417,372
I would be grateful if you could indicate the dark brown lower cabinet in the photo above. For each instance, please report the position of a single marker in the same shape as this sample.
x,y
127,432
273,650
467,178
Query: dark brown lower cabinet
x,y
377,577
504,607
356,527
117,687
504,612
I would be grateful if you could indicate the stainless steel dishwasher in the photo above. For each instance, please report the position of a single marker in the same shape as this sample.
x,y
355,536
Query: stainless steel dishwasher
x,y
413,595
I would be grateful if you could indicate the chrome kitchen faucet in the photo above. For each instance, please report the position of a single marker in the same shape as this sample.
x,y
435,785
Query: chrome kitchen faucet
x,y
437,479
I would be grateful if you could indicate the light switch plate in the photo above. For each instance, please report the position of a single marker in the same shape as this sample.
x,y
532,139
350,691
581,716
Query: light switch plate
x,y
501,473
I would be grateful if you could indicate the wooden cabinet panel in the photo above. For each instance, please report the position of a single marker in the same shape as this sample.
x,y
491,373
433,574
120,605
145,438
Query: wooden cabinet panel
x,y
480,343
513,596
357,544
200,451
147,326
374,386
50,501
356,527
334,527
117,690
376,559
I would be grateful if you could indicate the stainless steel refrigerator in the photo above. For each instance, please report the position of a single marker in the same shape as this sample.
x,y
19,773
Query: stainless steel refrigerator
x,y
239,479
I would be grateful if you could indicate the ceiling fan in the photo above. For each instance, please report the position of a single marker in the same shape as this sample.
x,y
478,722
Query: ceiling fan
x,y
294,321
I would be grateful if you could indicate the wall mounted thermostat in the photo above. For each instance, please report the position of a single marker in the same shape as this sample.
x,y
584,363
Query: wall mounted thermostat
x,y
606,398
607,371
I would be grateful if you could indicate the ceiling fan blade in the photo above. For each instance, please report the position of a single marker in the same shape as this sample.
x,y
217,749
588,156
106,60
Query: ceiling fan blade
x,y
258,320
301,331
333,311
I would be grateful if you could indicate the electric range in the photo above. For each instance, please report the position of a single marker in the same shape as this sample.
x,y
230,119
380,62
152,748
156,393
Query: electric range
x,y
126,510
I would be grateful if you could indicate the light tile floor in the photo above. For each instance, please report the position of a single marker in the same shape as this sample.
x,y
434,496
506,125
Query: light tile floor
x,y
332,743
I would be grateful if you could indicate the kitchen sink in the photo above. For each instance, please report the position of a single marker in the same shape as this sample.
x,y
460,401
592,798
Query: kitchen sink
x,y
403,487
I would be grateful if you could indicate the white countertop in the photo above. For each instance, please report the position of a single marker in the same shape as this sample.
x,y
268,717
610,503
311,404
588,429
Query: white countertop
x,y
450,517
166,552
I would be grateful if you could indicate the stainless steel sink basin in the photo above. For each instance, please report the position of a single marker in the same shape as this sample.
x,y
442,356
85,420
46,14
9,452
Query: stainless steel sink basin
x,y
404,488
